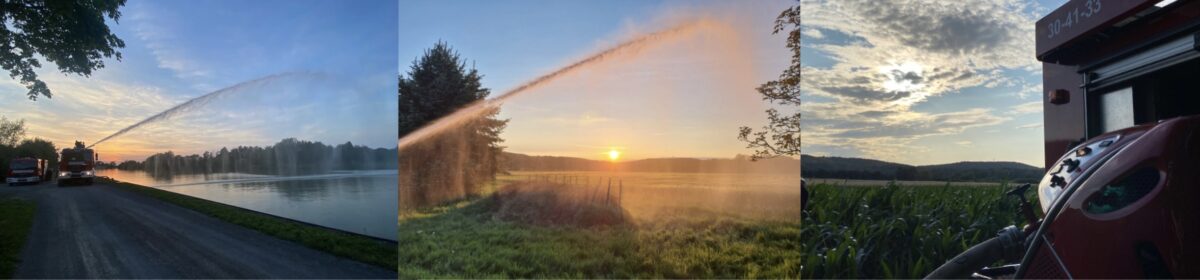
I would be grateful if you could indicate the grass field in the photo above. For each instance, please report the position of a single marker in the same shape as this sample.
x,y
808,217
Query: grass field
x,y
16,217
687,234
898,231
350,246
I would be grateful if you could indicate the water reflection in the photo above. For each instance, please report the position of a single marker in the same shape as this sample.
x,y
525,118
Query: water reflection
x,y
357,201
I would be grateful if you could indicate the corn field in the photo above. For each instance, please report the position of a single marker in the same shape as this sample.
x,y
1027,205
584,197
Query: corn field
x,y
897,231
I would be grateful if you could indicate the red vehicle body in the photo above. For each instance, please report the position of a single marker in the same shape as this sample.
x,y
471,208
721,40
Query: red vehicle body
x,y
27,170
1122,129
77,165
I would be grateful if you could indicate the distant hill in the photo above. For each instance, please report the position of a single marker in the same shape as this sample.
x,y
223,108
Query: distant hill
x,y
967,171
737,164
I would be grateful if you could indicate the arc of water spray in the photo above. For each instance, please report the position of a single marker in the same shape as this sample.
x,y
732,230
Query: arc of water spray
x,y
202,100
473,110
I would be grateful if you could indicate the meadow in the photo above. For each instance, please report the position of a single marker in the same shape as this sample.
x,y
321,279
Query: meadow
x,y
651,225
897,231
16,218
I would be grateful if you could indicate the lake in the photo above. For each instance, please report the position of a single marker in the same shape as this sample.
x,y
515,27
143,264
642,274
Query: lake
x,y
356,201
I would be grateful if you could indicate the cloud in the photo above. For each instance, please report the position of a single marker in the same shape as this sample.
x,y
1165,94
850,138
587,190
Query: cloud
x,y
1032,125
152,30
581,120
812,33
1026,108
902,53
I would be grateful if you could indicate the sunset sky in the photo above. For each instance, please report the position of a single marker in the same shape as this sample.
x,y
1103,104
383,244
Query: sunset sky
x,y
683,97
923,82
178,50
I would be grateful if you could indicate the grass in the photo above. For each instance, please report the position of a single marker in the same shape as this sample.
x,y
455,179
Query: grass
x,y
16,218
355,247
898,231
462,240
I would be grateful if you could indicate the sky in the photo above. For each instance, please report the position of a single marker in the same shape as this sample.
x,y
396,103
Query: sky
x,y
177,50
682,96
923,82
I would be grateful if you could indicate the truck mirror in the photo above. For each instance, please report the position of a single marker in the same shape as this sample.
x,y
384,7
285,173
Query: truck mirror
x,y
1059,96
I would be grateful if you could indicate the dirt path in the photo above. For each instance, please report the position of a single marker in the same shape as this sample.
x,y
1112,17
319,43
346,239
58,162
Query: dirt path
x,y
103,232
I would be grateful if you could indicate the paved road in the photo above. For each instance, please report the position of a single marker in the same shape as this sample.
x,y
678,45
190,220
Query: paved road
x,y
102,232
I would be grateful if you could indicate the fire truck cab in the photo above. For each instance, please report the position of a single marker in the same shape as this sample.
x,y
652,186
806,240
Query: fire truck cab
x,y
77,165
1122,141
27,170
1113,64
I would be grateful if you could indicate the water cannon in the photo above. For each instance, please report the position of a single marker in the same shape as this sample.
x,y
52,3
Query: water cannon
x,y
79,144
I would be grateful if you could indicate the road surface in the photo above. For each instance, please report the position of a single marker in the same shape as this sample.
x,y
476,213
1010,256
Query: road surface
x,y
100,231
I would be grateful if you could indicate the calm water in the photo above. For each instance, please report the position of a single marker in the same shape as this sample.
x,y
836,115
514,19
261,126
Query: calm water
x,y
357,201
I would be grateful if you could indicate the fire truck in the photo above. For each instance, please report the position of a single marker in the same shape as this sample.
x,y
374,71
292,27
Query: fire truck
x,y
77,165
1122,149
27,170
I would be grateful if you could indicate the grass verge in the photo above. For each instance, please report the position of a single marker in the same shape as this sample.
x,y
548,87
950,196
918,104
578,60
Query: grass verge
x,y
16,218
898,231
355,247
464,241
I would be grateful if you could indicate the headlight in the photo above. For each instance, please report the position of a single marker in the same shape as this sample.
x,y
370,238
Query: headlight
x,y
89,172
64,173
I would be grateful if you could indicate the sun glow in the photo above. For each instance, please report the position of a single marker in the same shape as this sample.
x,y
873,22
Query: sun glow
x,y
613,154
903,77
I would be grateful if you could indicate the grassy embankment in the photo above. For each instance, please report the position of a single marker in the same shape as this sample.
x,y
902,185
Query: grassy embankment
x,y
466,240
350,246
16,218
898,231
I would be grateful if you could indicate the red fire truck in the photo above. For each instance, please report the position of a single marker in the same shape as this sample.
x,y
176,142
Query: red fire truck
x,y
1122,128
27,170
77,165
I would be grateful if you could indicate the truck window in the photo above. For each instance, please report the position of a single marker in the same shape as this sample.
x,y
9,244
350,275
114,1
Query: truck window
x,y
1166,93
22,164
1116,109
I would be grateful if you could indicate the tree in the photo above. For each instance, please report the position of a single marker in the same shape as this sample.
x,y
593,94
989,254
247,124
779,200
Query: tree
x,y
782,135
11,132
456,163
70,33
38,148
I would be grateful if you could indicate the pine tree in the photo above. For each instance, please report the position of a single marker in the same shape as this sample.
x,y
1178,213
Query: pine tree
x,y
453,164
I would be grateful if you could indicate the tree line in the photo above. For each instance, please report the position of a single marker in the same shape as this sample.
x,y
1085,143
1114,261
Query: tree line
x,y
13,144
287,157
867,169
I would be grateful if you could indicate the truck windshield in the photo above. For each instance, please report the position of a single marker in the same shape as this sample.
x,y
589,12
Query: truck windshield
x,y
77,156
22,164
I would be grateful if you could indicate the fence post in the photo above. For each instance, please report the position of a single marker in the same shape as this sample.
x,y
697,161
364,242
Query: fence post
x,y
608,192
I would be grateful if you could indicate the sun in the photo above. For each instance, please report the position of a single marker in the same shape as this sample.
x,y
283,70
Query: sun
x,y
903,77
613,154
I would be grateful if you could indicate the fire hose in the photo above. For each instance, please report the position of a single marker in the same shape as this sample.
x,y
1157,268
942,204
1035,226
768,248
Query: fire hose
x,y
1007,245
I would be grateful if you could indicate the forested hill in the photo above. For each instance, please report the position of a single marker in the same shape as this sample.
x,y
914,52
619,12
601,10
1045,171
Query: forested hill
x,y
967,171
737,164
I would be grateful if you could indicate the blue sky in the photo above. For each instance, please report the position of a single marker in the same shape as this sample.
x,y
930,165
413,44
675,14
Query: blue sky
x,y
684,96
923,82
177,50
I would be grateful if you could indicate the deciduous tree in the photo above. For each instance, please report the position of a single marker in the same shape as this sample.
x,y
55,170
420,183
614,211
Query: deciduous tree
x,y
781,137
70,33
